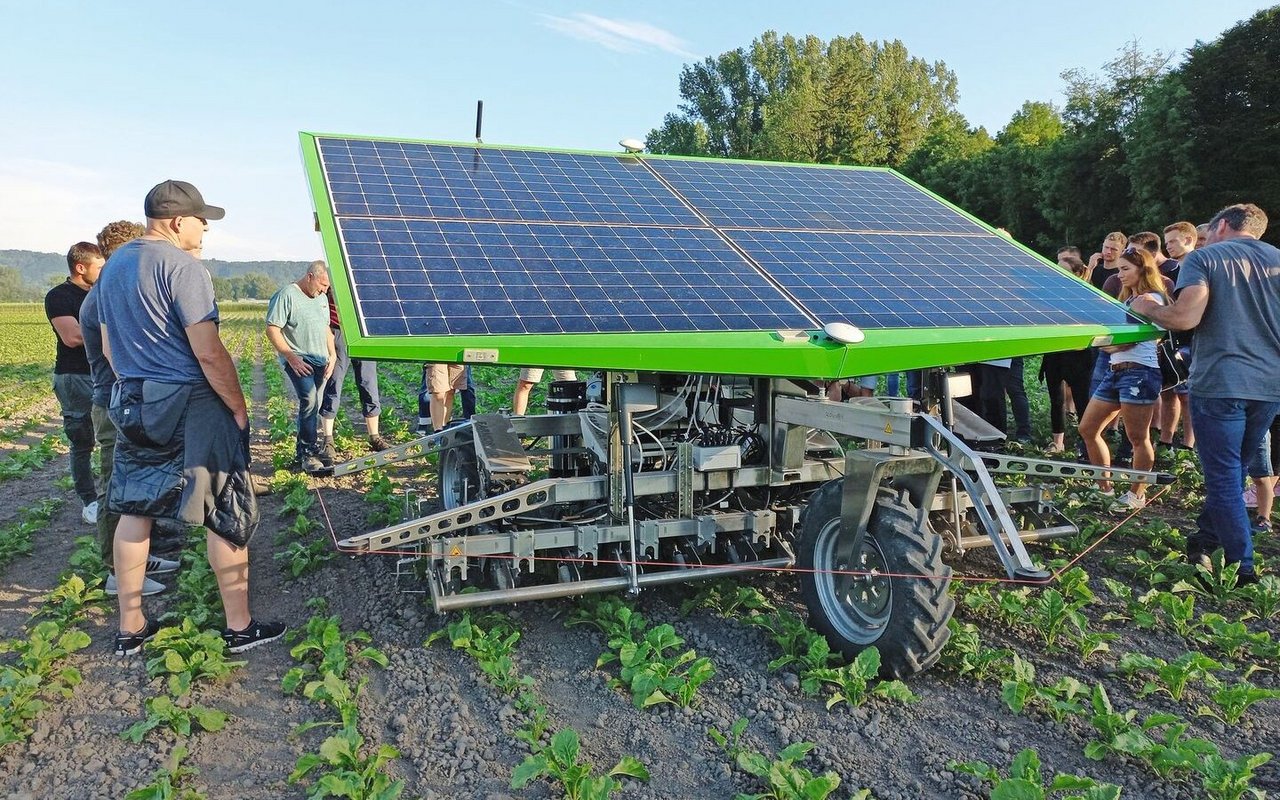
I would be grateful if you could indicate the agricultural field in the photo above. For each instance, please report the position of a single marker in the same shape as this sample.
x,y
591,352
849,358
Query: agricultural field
x,y
1130,677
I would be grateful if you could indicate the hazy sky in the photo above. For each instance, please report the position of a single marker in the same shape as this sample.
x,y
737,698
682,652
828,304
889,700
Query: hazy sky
x,y
99,101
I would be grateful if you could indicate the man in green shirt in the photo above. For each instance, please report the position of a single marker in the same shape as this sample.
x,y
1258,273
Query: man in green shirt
x,y
298,328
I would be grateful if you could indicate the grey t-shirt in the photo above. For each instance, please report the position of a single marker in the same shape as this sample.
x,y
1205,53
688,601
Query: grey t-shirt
x,y
103,376
303,320
1237,344
150,292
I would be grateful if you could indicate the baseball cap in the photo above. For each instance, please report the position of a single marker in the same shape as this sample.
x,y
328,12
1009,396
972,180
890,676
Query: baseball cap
x,y
178,199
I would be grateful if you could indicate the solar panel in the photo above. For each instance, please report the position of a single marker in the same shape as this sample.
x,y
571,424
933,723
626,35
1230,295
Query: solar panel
x,y
912,281
552,258
410,180
734,194
426,277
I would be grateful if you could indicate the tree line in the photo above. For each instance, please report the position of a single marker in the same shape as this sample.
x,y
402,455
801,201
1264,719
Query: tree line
x,y
1147,141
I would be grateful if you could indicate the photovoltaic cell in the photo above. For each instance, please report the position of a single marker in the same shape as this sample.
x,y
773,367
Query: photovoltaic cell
x,y
423,181
745,195
901,281
427,277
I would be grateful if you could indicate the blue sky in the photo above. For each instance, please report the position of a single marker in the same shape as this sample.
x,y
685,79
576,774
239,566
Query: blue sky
x,y
102,100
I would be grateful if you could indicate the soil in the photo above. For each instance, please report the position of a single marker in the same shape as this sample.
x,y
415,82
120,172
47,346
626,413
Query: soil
x,y
454,731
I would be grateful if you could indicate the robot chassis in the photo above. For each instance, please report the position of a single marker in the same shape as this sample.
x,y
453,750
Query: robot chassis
x,y
660,478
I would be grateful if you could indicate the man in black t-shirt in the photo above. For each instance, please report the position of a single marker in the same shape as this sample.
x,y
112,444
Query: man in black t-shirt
x,y
1102,265
71,381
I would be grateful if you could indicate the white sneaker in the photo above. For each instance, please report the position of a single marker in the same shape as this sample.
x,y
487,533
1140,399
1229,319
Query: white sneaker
x,y
1130,502
159,566
149,587
90,513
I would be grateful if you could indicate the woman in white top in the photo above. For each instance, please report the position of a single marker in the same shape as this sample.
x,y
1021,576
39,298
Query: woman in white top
x,y
1132,385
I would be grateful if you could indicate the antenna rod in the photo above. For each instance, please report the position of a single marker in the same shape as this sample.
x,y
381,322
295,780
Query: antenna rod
x,y
479,119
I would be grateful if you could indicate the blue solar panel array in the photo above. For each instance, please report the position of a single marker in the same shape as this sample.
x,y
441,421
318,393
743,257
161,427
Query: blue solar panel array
x,y
456,239
743,195
906,281
424,277
423,181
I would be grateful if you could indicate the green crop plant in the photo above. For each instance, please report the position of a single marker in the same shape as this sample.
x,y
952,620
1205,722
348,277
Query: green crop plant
x,y
1234,640
1232,701
561,762
728,600
387,507
1160,741
1264,596
1224,779
187,654
650,667
856,681
965,655
162,711
1219,580
167,783
655,672
17,538
1171,677
24,462
303,558
1059,700
347,771
323,649
298,500
799,643
86,559
67,603
1179,613
1025,781
781,775
197,586
491,648
33,676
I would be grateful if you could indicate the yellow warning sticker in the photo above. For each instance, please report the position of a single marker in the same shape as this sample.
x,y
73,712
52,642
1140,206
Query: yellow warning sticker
x,y
888,427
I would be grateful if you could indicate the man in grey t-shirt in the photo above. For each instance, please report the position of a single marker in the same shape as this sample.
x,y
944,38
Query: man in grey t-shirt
x,y
182,447
1230,293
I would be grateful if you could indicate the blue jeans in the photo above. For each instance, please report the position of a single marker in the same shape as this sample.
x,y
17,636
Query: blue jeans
x,y
310,390
1228,433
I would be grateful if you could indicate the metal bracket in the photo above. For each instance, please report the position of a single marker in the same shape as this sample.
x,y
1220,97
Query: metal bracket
x,y
684,479
864,472
1005,538
421,446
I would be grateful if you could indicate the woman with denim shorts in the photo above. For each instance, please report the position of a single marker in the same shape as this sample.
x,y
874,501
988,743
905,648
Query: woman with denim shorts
x,y
1131,386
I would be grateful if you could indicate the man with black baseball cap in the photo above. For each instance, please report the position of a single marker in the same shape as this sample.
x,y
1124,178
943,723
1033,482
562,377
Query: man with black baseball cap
x,y
179,199
159,324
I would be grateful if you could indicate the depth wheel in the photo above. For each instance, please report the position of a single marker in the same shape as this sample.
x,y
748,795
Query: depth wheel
x,y
459,477
904,618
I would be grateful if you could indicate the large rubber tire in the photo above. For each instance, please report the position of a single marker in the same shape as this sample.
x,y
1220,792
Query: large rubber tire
x,y
459,477
904,618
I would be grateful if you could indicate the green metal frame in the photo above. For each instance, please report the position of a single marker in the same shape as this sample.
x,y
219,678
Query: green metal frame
x,y
792,354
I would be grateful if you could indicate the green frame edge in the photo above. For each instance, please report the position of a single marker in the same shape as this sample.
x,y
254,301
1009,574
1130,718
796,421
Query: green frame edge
x,y
792,354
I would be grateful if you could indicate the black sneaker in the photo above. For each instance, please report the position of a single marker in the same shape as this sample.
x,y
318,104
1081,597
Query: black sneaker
x,y
1198,558
314,466
326,452
129,643
378,443
257,633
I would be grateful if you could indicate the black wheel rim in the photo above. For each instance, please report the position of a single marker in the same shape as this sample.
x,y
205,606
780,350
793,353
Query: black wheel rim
x,y
458,479
859,605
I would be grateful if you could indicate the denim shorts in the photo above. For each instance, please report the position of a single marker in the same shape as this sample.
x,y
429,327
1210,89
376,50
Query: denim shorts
x,y
1137,386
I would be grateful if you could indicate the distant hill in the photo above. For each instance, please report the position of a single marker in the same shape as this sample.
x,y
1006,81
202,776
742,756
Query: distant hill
x,y
35,272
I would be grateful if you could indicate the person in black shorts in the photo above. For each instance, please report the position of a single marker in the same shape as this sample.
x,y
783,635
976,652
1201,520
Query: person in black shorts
x,y
182,427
